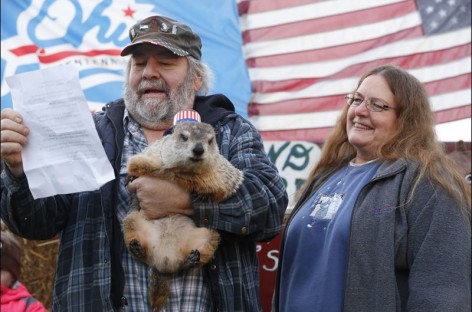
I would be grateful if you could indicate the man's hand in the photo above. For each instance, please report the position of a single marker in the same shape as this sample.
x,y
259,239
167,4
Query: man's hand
x,y
13,139
159,198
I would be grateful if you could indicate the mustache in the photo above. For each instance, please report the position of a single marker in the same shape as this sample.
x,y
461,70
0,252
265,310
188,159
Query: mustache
x,y
145,85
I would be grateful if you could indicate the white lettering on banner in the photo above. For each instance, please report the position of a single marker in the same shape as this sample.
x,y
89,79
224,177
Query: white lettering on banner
x,y
273,255
269,258
264,256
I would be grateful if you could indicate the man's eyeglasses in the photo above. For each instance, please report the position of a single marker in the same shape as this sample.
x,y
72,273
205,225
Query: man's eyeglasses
x,y
372,104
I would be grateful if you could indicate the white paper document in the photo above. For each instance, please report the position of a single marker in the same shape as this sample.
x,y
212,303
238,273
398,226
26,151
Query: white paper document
x,y
64,153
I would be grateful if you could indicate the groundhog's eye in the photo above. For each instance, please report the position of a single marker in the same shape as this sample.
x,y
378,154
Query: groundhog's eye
x,y
210,141
184,137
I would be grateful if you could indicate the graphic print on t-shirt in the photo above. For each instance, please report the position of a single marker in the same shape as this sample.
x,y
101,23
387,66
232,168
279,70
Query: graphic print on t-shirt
x,y
326,206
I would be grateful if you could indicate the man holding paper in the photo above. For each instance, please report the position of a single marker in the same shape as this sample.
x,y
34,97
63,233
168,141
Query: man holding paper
x,y
95,272
64,154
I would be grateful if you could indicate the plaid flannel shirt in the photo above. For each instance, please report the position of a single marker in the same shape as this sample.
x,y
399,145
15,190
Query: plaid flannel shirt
x,y
84,220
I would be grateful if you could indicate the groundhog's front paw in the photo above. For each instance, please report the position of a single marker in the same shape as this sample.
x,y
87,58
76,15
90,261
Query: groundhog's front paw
x,y
136,249
140,165
193,259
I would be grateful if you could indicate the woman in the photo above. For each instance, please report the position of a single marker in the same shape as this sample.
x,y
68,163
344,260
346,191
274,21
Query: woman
x,y
383,220
14,296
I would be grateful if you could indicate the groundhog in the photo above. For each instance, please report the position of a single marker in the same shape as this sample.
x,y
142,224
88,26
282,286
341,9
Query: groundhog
x,y
190,158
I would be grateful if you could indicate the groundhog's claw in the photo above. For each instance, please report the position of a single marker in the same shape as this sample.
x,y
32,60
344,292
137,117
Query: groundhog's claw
x,y
193,259
136,249
129,179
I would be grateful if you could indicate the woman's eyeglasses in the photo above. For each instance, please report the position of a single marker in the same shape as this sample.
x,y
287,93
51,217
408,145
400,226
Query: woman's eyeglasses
x,y
372,104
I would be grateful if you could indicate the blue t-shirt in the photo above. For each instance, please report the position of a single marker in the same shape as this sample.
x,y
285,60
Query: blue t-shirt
x,y
315,249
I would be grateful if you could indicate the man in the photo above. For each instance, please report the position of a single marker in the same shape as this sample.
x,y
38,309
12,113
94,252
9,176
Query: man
x,y
95,272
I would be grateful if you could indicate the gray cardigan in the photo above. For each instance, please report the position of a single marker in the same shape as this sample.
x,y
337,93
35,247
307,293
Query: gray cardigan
x,y
405,255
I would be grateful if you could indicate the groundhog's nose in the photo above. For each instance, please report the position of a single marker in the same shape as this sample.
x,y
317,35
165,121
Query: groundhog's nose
x,y
198,149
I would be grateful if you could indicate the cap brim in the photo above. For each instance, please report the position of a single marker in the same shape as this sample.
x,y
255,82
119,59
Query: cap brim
x,y
129,48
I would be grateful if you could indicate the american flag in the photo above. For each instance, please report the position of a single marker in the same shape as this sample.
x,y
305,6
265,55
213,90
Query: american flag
x,y
303,56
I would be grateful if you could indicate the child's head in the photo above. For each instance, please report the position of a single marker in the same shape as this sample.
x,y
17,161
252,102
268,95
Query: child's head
x,y
10,261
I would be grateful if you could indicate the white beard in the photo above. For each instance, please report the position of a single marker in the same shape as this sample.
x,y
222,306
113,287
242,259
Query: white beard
x,y
153,113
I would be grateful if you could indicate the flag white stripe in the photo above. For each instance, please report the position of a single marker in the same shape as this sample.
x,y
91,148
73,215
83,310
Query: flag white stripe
x,y
332,38
396,49
307,12
328,118
450,100
442,71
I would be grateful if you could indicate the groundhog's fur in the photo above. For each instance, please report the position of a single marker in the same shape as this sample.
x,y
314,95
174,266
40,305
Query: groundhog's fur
x,y
190,158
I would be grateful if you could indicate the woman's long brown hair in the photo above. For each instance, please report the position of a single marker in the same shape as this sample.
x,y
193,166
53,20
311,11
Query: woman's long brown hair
x,y
414,138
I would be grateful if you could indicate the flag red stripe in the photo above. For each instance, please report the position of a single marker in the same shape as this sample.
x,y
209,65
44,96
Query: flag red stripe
x,y
329,23
45,59
408,62
306,105
452,84
253,7
333,53
317,135
328,103
452,114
